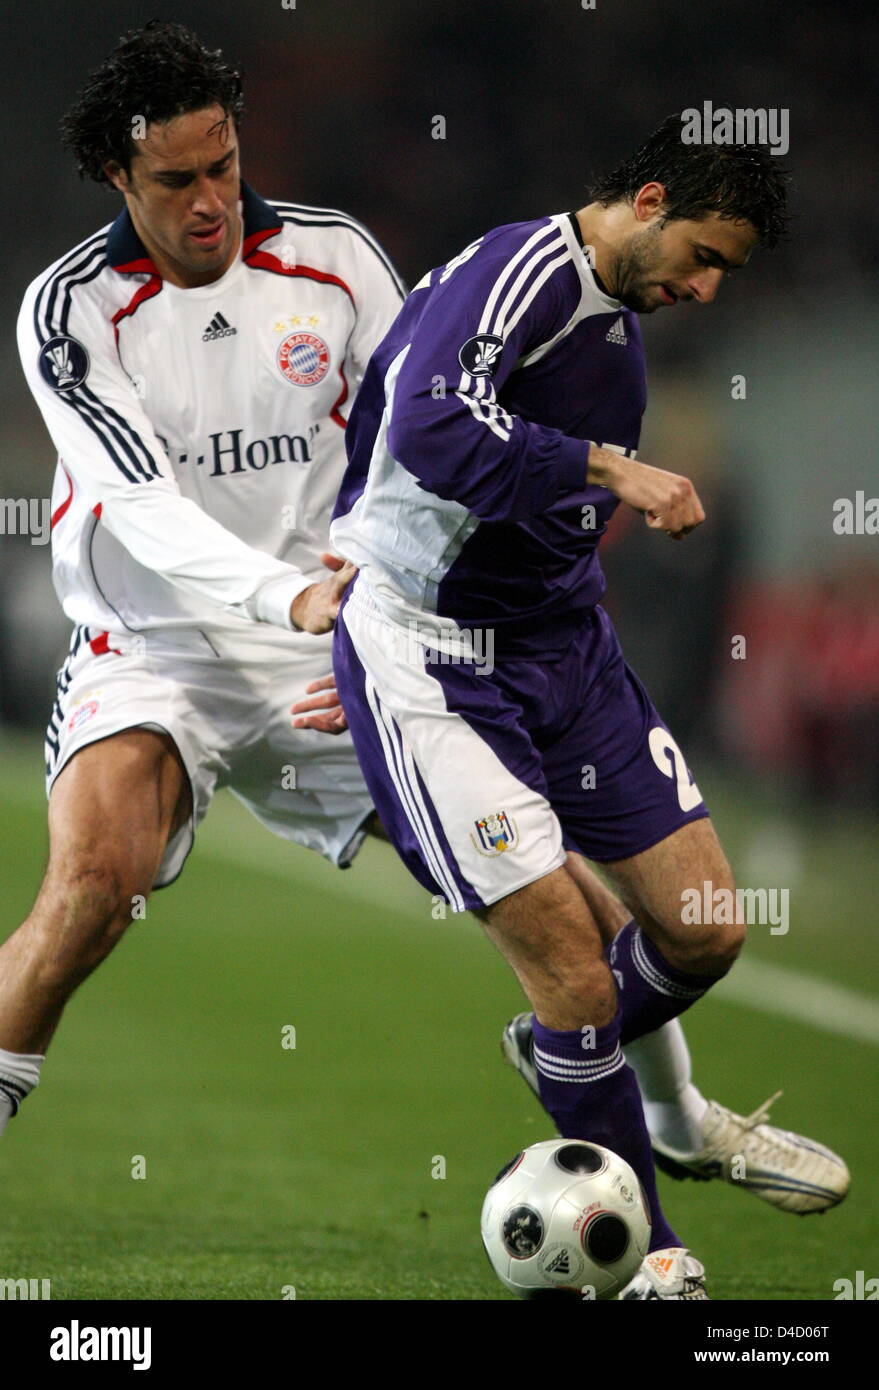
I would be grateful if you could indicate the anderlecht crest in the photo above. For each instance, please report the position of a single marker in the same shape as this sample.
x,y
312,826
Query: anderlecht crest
x,y
495,834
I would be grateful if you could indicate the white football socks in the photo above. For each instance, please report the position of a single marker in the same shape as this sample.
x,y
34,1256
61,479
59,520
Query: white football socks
x,y
673,1107
19,1074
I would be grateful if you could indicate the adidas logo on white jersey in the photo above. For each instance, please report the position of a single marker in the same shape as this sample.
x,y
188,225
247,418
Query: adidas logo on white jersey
x,y
218,328
617,333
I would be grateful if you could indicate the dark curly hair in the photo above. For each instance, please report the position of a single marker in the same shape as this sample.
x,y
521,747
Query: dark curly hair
x,y
737,181
158,72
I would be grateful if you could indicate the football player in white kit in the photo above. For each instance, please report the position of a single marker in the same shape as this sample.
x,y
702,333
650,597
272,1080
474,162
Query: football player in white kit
x,y
194,361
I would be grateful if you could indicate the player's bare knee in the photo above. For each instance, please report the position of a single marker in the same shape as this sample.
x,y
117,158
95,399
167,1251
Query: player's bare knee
x,y
729,946
712,951
727,937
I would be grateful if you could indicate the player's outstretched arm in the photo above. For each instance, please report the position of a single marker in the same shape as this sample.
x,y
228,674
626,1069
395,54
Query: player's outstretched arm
x,y
669,502
116,464
316,608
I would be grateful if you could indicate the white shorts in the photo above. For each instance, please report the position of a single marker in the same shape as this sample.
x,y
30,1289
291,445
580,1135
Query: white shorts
x,y
467,812
225,701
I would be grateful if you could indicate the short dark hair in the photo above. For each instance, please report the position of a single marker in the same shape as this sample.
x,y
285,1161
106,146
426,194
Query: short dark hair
x,y
737,181
158,72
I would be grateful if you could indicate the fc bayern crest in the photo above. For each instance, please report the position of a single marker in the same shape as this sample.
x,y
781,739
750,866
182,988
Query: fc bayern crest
x,y
495,834
304,358
83,713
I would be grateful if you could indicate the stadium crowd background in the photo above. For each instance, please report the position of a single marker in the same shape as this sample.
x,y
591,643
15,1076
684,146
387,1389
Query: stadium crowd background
x,y
537,94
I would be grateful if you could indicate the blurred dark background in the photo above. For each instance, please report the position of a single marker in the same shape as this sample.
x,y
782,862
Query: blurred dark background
x,y
536,96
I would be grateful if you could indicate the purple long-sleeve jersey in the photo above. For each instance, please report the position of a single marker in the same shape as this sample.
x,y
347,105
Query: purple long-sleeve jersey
x,y
465,502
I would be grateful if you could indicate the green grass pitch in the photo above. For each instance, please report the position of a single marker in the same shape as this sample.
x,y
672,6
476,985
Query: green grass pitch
x,y
269,1168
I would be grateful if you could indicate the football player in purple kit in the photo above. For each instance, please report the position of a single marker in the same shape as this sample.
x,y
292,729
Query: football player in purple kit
x,y
501,733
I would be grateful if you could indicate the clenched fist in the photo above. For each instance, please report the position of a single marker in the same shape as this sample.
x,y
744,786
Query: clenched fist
x,y
669,502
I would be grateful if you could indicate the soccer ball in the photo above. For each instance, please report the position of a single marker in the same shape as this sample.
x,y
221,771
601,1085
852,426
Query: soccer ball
x,y
566,1218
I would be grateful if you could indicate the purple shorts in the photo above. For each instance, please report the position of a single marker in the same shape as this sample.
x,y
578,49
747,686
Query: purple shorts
x,y
485,774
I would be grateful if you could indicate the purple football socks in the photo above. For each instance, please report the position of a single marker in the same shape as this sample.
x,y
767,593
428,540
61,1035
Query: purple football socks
x,y
590,1092
650,991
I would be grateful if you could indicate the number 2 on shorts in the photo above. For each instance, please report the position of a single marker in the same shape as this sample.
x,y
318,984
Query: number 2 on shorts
x,y
670,761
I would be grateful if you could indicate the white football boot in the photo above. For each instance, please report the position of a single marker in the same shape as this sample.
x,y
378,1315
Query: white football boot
x,y
668,1274
788,1171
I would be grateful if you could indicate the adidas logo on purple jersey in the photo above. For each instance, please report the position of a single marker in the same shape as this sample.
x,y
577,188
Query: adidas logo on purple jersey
x,y
617,333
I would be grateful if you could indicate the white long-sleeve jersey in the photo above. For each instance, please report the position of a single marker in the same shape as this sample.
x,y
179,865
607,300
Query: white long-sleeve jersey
x,y
200,432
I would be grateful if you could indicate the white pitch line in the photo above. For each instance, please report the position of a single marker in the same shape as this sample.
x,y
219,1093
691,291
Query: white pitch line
x,y
776,989
754,984
230,836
